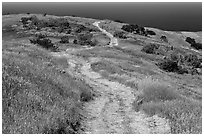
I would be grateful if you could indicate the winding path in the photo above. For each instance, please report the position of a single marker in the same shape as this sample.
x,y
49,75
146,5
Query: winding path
x,y
113,40
111,110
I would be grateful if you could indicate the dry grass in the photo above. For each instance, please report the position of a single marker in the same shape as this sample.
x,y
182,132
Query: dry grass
x,y
156,97
38,96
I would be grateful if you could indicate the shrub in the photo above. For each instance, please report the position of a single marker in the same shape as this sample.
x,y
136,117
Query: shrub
x,y
24,20
163,38
80,28
64,39
75,41
197,46
168,65
193,60
150,32
190,40
119,21
44,42
150,48
85,39
120,34
130,28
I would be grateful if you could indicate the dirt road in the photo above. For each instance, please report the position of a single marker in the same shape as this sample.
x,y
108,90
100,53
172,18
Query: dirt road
x,y
114,41
111,110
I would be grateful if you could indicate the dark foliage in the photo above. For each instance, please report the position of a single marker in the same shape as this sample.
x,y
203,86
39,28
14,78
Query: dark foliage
x,y
169,65
75,41
197,46
120,34
164,38
150,48
44,42
150,32
133,28
85,39
64,39
190,40
24,20
119,21
80,28
193,60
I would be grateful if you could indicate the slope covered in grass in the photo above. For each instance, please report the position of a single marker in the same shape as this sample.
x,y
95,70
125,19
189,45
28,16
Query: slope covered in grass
x,y
38,95
184,114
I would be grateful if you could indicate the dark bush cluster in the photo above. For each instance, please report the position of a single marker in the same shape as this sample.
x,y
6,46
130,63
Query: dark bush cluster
x,y
150,32
80,28
174,61
164,38
59,22
133,28
193,43
197,46
190,40
119,21
85,39
120,34
189,63
193,60
64,39
43,41
150,48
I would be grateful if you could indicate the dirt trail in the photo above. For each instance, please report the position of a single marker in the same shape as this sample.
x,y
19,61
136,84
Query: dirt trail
x,y
114,41
111,111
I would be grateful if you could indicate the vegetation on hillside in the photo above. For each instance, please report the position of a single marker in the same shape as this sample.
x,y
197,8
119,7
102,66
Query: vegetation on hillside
x,y
184,114
174,61
193,43
134,28
38,95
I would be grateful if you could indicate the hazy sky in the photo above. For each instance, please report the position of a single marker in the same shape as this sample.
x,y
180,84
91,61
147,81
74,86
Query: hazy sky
x,y
166,16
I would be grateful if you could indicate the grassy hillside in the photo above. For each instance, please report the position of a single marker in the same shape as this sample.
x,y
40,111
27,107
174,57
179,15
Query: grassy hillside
x,y
38,95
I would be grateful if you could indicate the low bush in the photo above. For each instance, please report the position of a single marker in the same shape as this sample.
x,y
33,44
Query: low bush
x,y
197,46
64,39
85,39
133,28
193,60
168,65
119,21
150,48
190,40
120,34
194,44
43,42
164,38
150,32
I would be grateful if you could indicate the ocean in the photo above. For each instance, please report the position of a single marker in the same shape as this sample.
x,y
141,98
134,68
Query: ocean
x,y
166,16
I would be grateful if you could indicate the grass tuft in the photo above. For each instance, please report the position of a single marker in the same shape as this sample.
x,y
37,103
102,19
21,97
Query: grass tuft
x,y
184,114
